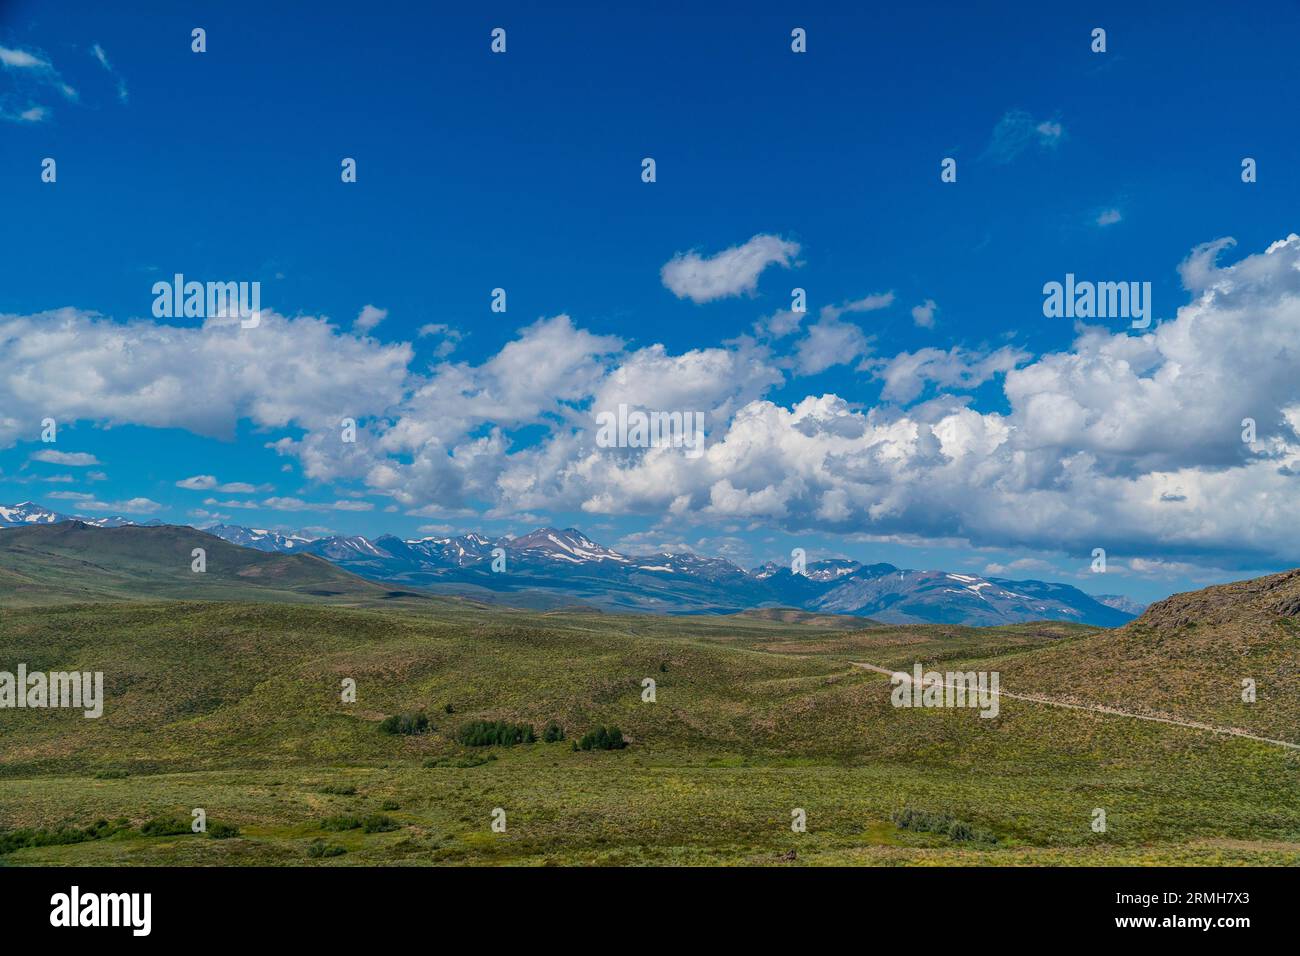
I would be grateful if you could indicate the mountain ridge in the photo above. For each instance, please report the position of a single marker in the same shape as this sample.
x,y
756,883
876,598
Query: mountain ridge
x,y
565,562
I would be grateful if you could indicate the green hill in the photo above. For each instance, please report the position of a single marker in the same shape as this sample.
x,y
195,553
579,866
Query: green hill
x,y
1187,656
74,562
236,707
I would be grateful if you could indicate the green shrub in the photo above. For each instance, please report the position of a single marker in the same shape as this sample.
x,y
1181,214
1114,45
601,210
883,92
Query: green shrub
x,y
11,840
222,831
341,822
338,790
165,826
499,733
603,738
553,732
944,824
390,805
378,823
111,775
405,724
319,848
468,760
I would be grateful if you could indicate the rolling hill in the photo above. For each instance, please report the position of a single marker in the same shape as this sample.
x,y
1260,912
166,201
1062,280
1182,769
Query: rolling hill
x,y
72,561
1188,656
236,707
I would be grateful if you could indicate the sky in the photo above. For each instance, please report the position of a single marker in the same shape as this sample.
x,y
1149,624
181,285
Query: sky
x,y
923,410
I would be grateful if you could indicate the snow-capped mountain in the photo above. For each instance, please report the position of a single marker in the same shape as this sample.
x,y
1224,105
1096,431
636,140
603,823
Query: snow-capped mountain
x,y
260,539
568,545
28,512
566,565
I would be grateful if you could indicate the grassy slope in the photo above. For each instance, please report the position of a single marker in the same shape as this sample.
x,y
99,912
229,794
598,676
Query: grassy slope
x,y
1187,656
72,562
236,708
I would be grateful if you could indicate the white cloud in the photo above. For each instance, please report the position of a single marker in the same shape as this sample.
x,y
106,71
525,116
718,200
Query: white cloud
x,y
1108,217
728,273
369,317
101,57
923,314
870,303
210,483
1017,131
829,342
906,374
74,459
77,366
1125,441
1021,566
450,337
31,73
85,502
22,60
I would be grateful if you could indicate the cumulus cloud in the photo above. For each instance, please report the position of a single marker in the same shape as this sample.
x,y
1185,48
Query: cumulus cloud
x,y
1131,442
732,272
73,365
829,342
1108,217
907,374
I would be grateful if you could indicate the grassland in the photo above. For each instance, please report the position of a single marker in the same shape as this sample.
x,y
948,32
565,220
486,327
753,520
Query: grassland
x,y
235,707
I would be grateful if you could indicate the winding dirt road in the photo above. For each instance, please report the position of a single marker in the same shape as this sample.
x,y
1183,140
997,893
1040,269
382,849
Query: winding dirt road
x,y
1103,709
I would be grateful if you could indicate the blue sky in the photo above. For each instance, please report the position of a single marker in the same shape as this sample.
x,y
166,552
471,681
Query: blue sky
x,y
523,171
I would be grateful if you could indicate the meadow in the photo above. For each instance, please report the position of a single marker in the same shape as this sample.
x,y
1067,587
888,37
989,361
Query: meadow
x,y
237,708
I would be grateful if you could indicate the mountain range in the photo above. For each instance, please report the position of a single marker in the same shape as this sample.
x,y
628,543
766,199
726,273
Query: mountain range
x,y
550,567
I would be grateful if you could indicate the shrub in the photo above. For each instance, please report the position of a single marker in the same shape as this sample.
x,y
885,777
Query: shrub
x,y
165,826
378,823
603,738
338,790
469,760
11,840
390,805
405,724
489,733
222,831
943,824
319,848
111,775
341,822
553,732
